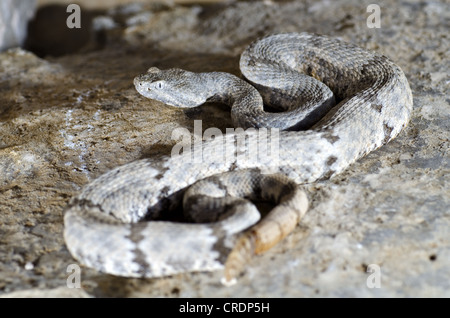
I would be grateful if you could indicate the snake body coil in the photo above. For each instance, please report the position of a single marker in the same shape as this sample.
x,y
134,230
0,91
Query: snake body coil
x,y
374,104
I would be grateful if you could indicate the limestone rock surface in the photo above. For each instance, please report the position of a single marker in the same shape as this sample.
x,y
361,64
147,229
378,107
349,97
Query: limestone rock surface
x,y
66,120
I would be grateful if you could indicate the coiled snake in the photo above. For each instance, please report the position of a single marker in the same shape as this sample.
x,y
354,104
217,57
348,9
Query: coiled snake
x,y
108,226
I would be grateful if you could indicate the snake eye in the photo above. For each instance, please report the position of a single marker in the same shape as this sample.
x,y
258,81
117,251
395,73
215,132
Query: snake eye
x,y
159,84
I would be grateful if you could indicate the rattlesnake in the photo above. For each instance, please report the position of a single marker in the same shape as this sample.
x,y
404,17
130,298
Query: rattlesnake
x,y
374,104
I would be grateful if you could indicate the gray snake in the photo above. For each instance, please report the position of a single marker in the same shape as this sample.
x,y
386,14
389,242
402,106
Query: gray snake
x,y
110,225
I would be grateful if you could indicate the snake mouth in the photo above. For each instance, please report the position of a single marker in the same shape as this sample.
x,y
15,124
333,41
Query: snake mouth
x,y
139,85
146,89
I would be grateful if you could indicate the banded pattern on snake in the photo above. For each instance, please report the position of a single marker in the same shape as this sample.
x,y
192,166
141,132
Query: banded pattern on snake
x,y
108,225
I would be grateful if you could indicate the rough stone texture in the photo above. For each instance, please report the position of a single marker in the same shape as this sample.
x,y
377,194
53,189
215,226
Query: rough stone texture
x,y
65,121
14,16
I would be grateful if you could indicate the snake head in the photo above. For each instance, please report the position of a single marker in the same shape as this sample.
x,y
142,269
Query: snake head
x,y
173,87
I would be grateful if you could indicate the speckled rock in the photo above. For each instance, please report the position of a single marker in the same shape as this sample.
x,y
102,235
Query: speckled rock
x,y
64,121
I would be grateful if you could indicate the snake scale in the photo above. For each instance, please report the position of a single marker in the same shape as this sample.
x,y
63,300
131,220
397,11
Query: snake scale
x,y
113,226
